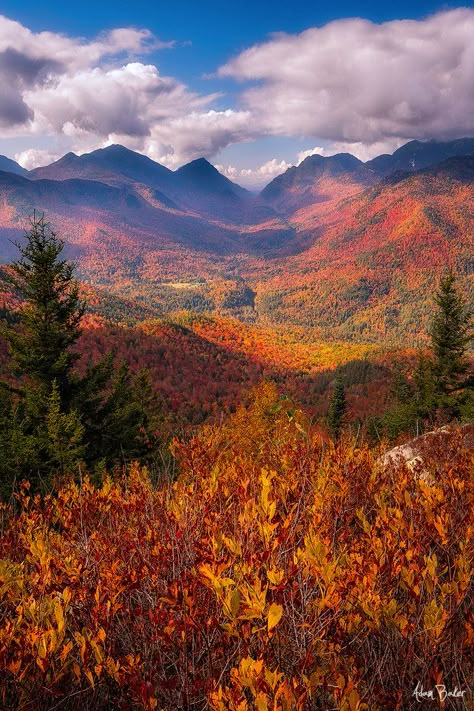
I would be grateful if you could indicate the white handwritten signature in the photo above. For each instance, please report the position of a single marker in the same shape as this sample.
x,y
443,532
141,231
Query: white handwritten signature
x,y
438,692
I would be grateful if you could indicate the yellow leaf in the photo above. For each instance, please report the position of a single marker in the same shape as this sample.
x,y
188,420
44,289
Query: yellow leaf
x,y
42,648
97,652
354,700
275,576
65,651
58,614
274,615
234,602
77,670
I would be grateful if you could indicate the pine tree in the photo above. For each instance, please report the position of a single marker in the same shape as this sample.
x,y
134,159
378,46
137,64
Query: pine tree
x,y
337,409
53,418
115,409
64,435
450,335
51,317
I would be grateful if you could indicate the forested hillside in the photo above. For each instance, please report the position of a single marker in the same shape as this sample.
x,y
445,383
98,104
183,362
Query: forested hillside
x,y
347,247
197,505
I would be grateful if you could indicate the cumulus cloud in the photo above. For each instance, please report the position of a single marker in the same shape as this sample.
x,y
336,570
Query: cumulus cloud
x,y
36,157
56,85
71,53
255,177
317,150
357,82
199,133
351,85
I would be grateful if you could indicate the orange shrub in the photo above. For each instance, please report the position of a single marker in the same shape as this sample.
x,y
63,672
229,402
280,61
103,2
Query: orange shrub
x,y
277,572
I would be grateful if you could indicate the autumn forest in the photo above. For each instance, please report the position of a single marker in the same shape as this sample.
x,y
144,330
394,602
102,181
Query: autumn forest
x,y
237,434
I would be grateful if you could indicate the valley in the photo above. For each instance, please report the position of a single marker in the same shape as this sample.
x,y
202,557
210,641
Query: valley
x,y
346,247
236,356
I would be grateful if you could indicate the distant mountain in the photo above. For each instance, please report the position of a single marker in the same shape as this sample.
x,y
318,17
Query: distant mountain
x,y
197,186
114,164
201,187
115,208
201,176
370,268
10,166
318,179
417,155
349,247
134,216
319,182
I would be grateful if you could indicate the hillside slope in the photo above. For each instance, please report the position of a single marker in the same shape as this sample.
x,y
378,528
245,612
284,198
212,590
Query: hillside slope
x,y
371,272
333,243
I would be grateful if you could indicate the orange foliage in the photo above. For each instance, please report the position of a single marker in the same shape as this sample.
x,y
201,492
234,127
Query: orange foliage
x,y
276,573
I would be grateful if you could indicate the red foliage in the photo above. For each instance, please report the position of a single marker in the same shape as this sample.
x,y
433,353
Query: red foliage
x,y
275,573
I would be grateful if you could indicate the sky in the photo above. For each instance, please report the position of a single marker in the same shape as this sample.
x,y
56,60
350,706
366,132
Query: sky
x,y
253,86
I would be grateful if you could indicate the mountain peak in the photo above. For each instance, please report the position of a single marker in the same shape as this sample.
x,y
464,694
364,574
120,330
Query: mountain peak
x,y
198,166
115,149
201,178
417,155
8,165
338,162
114,164
304,179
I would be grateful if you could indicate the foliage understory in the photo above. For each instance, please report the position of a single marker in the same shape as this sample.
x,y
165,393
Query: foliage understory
x,y
277,572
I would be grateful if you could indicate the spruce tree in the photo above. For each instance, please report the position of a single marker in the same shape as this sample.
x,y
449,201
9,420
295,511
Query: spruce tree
x,y
53,418
450,335
43,433
41,348
337,409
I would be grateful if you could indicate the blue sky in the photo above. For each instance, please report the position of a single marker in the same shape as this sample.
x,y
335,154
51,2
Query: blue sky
x,y
274,104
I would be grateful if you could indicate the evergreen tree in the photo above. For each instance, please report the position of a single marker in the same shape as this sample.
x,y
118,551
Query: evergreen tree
x,y
337,409
51,317
450,335
41,349
425,399
64,435
54,418
115,409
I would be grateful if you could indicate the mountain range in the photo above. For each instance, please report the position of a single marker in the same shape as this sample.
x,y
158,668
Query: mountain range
x,y
335,243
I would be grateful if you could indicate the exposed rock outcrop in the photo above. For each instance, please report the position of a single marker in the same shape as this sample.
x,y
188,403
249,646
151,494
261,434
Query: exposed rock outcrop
x,y
421,453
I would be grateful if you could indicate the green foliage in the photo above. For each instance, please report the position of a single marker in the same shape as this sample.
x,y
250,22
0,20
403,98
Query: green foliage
x,y
337,409
50,320
450,335
116,412
55,418
65,434
401,418
440,388
424,392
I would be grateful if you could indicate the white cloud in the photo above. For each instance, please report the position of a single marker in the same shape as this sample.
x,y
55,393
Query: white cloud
x,y
199,133
351,85
363,151
317,150
36,157
58,86
255,178
356,82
